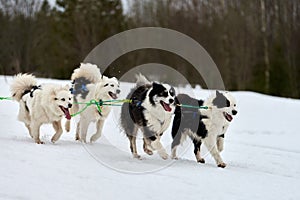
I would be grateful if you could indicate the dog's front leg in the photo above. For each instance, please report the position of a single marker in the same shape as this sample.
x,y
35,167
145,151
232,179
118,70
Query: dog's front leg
x,y
77,136
84,124
210,143
156,145
146,146
29,129
98,133
58,131
220,142
35,131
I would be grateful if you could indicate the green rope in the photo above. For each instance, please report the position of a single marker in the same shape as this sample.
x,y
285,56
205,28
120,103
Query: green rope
x,y
190,106
99,104
6,98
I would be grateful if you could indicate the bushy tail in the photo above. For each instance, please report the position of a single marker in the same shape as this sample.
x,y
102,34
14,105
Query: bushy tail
x,y
20,84
88,71
141,80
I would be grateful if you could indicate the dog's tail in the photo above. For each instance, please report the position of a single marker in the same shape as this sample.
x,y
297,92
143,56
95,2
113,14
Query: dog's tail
x,y
88,71
21,84
141,80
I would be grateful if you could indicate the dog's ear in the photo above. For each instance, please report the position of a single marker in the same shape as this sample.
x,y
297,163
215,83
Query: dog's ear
x,y
66,87
218,93
53,94
154,84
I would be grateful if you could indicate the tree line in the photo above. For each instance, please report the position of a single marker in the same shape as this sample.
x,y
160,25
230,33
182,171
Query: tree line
x,y
255,44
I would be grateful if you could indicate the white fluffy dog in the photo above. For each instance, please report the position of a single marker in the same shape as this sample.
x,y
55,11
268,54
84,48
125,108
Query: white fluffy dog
x,y
88,84
41,104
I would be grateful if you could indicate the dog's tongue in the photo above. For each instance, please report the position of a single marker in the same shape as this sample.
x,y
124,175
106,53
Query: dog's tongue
x,y
166,106
113,95
66,112
228,117
68,116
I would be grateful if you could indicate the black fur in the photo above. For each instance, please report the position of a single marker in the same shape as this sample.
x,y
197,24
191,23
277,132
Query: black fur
x,y
188,119
158,90
136,111
221,101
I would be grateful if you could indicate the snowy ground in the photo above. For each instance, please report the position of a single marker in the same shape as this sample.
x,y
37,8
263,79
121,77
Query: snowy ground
x,y
262,152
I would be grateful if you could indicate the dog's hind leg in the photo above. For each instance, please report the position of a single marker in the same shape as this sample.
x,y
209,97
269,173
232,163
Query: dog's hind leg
x,y
97,135
210,143
197,148
58,131
35,131
132,140
175,143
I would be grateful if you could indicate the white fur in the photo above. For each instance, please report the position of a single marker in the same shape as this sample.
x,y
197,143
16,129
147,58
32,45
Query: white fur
x,y
98,90
42,106
217,125
141,80
89,71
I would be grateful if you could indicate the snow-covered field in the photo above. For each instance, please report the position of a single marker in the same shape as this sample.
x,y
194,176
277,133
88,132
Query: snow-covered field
x,y
262,152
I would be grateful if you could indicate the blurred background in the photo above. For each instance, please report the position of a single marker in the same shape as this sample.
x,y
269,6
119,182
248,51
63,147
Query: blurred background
x,y
255,44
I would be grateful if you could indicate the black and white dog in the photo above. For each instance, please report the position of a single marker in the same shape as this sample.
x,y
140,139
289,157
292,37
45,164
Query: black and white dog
x,y
151,109
208,126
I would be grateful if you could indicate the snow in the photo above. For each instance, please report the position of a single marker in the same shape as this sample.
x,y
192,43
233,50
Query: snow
x,y
262,153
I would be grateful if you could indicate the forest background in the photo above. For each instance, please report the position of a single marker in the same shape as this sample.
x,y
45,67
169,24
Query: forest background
x,y
255,44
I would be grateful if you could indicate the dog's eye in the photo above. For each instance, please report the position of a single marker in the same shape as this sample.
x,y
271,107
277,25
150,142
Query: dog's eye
x,y
70,99
55,99
172,92
112,85
234,105
63,99
164,94
106,85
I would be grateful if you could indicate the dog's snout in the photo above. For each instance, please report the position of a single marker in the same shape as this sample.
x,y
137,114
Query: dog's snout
x,y
118,91
171,101
234,112
70,105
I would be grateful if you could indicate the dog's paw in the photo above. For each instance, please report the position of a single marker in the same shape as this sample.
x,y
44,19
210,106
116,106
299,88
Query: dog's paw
x,y
82,140
174,157
201,160
39,142
222,165
93,139
148,151
163,155
137,156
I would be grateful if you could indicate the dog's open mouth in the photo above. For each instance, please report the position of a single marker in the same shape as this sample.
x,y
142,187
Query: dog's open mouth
x,y
227,116
166,106
66,112
112,95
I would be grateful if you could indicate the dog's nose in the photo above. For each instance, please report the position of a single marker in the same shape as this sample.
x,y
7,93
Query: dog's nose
x,y
171,101
234,112
70,105
118,91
